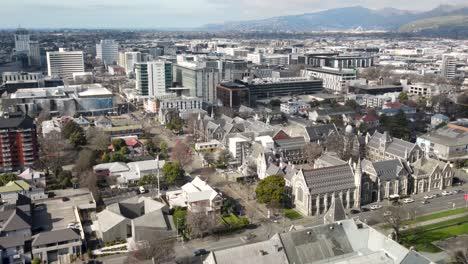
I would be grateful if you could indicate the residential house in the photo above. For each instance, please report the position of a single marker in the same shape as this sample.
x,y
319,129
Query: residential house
x,y
138,218
33,177
391,109
197,196
57,245
12,190
370,121
439,119
103,122
129,173
327,114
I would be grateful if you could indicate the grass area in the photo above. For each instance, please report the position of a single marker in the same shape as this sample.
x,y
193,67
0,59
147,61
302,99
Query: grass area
x,y
235,222
423,241
437,215
292,214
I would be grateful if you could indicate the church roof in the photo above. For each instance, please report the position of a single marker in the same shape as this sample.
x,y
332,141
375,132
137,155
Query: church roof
x,y
329,179
336,212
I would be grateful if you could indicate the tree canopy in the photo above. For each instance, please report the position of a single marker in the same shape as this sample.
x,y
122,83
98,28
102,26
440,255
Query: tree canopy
x,y
173,172
6,178
270,190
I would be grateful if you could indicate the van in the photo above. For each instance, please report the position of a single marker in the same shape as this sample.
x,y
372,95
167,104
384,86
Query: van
x,y
142,189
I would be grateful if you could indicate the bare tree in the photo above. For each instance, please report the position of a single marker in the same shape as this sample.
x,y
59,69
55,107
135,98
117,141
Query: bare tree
x,y
53,150
192,123
461,256
89,179
207,173
312,151
97,138
201,223
159,251
43,115
181,152
397,214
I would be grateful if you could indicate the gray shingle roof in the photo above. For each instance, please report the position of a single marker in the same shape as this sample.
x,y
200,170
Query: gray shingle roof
x,y
55,236
319,132
17,122
394,146
386,170
329,179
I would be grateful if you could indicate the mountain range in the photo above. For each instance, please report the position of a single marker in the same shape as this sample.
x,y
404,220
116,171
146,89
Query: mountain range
x,y
353,17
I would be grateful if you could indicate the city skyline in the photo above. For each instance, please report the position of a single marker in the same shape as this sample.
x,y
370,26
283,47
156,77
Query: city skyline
x,y
165,14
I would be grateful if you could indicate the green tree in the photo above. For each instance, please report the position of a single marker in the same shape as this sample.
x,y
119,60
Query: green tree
x,y
403,97
124,151
36,261
163,148
228,207
118,143
117,157
275,103
105,157
363,128
173,172
337,120
270,190
78,138
149,179
352,104
224,157
175,123
180,217
69,128
6,178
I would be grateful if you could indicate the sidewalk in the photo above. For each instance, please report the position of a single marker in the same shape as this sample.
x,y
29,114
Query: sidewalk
x,y
437,220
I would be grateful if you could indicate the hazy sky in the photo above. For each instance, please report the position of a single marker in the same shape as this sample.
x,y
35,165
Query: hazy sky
x,y
173,13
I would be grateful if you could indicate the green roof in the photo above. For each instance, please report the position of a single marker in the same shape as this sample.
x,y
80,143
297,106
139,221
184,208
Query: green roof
x,y
15,186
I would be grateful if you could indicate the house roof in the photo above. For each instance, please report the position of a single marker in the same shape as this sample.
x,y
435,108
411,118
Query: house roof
x,y
448,136
330,159
329,179
336,212
14,219
55,236
394,146
24,122
290,143
11,241
31,174
369,118
15,186
386,170
315,133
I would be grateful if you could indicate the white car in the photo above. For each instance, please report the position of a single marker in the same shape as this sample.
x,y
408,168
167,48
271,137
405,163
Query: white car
x,y
408,200
387,213
375,206
428,197
445,193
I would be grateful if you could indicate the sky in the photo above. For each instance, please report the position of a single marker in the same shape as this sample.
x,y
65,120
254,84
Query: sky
x,y
173,13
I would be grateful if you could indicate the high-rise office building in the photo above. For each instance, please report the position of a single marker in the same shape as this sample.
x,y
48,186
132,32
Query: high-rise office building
x,y
197,81
130,59
108,51
153,78
22,40
34,54
64,63
449,65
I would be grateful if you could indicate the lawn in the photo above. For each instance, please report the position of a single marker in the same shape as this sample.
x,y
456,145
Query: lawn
x,y
423,241
438,215
235,222
292,214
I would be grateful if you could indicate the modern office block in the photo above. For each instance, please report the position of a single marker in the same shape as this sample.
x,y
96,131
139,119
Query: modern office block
x,y
64,63
108,51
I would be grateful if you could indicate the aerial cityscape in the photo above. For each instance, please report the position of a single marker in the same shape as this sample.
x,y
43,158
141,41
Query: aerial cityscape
x,y
243,132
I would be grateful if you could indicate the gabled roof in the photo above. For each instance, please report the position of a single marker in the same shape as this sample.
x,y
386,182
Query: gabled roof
x,y
24,122
15,186
329,179
55,236
290,143
336,212
386,170
315,133
394,146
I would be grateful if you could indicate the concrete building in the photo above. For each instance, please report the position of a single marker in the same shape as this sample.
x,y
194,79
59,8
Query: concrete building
x,y
268,59
138,219
338,61
107,50
130,58
13,81
448,67
153,78
22,40
381,146
449,143
335,80
34,54
233,95
431,174
343,241
197,80
64,63
295,107
60,100
18,141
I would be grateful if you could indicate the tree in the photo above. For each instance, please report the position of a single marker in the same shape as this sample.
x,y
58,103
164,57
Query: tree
x,y
274,103
175,123
173,172
78,138
117,157
224,157
163,148
403,97
182,153
312,151
98,139
86,160
180,218
270,190
395,219
337,120
352,104
199,223
53,151
461,256
6,178
36,261
69,128
192,123
124,151
363,128
149,179
157,250
228,207
118,143
105,157
462,105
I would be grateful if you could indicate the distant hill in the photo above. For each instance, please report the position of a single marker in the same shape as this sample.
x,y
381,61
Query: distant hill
x,y
342,19
435,23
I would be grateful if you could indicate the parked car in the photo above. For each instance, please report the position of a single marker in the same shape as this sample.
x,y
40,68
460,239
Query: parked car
x,y
456,191
387,213
424,201
248,236
64,199
428,196
375,206
445,193
200,252
408,200
354,211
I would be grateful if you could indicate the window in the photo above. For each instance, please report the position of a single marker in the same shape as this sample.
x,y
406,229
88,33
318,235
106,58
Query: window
x,y
299,194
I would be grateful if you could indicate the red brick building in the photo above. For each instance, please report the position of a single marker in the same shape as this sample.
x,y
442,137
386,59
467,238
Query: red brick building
x,y
18,143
